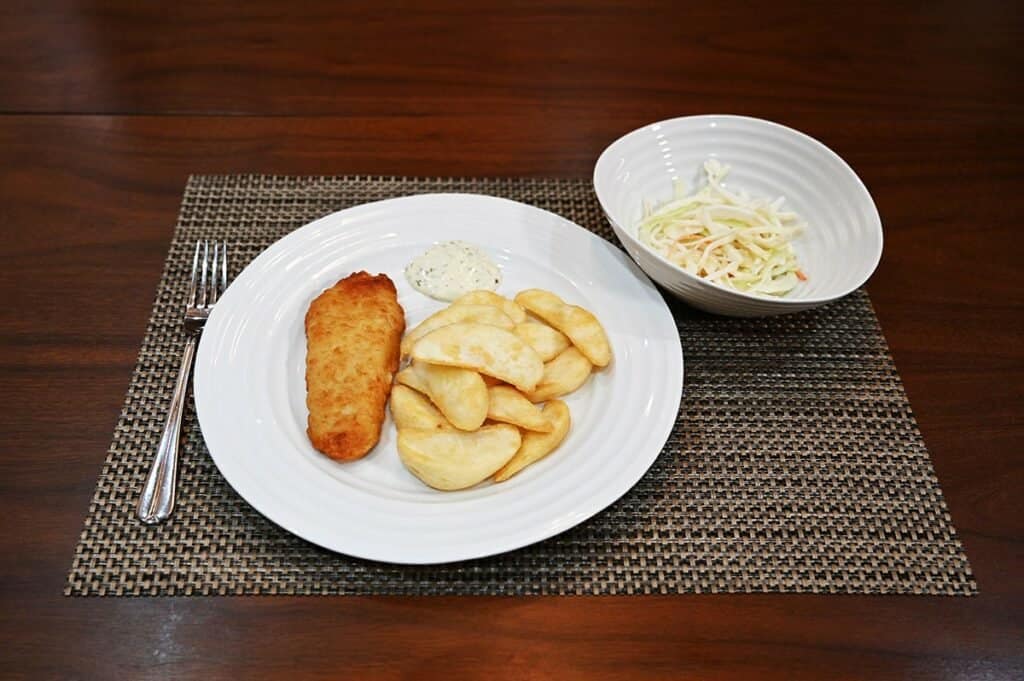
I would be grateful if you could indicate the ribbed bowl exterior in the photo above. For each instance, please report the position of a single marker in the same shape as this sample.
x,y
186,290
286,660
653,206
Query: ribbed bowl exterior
x,y
838,250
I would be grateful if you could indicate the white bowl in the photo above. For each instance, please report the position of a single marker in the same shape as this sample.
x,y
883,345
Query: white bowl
x,y
838,250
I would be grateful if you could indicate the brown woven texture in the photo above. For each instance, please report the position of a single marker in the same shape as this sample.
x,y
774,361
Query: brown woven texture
x,y
795,464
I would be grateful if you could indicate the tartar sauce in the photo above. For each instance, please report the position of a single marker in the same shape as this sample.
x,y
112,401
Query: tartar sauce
x,y
450,269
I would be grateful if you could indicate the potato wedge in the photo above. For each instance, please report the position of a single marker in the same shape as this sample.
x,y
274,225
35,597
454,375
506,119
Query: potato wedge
x,y
481,314
578,324
409,378
411,409
483,297
460,394
548,342
562,375
536,446
508,405
484,348
452,459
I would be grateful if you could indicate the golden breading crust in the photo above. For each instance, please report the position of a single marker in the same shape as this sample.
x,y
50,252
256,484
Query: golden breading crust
x,y
353,331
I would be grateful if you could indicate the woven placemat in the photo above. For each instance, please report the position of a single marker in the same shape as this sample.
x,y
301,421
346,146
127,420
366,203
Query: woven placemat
x,y
795,464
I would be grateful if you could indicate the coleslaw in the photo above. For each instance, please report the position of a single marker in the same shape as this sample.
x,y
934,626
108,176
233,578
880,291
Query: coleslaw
x,y
728,238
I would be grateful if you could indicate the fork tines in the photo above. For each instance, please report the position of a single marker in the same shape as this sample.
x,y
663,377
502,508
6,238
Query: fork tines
x,y
209,274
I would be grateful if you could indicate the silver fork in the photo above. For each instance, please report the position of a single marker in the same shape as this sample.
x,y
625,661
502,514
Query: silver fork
x,y
209,280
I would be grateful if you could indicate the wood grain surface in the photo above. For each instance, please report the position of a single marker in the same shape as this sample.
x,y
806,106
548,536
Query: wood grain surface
x,y
106,107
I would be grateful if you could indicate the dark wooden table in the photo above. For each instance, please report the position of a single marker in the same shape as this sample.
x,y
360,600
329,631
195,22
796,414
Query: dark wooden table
x,y
106,107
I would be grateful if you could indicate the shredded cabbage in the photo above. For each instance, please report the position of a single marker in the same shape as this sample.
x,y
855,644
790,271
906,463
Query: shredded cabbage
x,y
728,238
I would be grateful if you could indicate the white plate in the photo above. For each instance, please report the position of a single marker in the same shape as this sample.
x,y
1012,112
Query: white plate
x,y
250,384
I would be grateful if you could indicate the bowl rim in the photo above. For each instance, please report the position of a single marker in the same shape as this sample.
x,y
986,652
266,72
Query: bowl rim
x,y
621,231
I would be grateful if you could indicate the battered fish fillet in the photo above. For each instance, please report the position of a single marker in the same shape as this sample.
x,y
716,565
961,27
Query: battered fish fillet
x,y
353,331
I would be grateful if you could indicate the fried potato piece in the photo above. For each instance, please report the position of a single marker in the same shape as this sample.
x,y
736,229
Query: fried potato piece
x,y
459,393
409,378
465,408
483,297
548,342
452,459
535,446
508,405
578,324
411,409
353,330
484,348
481,314
562,375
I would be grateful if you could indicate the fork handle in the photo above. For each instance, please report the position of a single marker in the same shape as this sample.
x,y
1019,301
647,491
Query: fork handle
x,y
157,500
